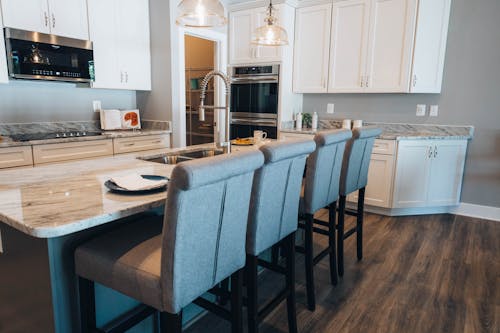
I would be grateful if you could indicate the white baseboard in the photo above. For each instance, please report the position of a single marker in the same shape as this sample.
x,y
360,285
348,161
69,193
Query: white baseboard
x,y
478,211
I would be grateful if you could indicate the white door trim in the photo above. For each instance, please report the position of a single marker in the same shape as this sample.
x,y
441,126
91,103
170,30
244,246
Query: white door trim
x,y
478,211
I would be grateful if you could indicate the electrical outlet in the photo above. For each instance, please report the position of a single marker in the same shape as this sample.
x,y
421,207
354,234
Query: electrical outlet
x,y
434,111
330,108
97,106
421,110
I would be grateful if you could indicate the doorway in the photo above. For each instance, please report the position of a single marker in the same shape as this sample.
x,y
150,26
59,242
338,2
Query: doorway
x,y
200,59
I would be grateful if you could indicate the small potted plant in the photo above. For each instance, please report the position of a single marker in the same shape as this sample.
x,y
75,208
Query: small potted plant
x,y
306,120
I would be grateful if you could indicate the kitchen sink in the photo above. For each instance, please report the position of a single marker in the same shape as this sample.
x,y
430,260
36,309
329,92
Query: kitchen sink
x,y
182,155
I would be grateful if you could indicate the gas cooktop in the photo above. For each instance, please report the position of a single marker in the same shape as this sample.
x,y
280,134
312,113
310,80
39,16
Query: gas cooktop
x,y
47,136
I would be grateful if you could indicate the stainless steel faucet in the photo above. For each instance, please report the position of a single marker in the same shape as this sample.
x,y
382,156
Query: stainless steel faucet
x,y
226,144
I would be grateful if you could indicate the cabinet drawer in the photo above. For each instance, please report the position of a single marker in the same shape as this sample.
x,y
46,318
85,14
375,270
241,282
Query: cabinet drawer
x,y
15,156
71,151
384,147
140,143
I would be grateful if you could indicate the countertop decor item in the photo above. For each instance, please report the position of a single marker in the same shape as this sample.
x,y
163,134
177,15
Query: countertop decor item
x,y
137,184
270,34
306,120
201,14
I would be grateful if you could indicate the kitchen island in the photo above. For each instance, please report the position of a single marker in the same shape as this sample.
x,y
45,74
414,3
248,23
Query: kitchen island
x,y
46,212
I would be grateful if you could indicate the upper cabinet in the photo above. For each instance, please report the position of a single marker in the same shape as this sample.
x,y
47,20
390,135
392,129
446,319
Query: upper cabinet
x,y
66,18
4,77
312,40
373,46
242,23
119,30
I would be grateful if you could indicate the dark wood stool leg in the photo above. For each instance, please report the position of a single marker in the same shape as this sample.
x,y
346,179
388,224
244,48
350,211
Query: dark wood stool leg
x,y
275,254
359,223
170,323
311,301
290,283
331,242
340,235
237,302
87,305
224,285
251,274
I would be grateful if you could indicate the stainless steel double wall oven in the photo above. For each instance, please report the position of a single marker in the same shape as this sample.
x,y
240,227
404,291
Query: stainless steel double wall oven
x,y
254,100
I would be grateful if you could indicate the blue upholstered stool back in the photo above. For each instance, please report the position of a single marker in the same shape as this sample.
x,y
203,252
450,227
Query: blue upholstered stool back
x,y
275,199
357,159
323,170
205,224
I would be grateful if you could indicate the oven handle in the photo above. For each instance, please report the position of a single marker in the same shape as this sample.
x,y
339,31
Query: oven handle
x,y
263,122
260,79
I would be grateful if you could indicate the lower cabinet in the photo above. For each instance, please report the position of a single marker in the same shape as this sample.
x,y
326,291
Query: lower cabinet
x,y
58,152
16,157
150,142
429,173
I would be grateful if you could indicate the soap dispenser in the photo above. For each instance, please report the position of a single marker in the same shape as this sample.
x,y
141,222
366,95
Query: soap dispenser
x,y
314,122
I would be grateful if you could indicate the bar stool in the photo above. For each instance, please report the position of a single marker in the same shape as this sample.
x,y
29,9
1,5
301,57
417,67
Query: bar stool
x,y
273,220
202,243
321,189
354,177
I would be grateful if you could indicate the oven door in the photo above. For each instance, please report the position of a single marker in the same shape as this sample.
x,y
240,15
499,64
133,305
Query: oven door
x,y
255,98
243,128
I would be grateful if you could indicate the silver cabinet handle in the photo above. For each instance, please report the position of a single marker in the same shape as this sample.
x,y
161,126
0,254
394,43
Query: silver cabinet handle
x,y
157,142
53,21
435,151
46,19
430,152
126,77
129,144
414,80
361,81
367,80
121,77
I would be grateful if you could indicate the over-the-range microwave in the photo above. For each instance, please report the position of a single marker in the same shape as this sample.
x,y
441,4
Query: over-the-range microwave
x,y
38,56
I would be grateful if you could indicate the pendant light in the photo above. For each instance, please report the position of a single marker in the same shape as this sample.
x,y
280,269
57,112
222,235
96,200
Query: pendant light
x,y
201,14
270,34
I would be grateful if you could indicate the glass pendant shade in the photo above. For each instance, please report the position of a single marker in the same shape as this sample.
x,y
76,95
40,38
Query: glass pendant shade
x,y
201,14
270,34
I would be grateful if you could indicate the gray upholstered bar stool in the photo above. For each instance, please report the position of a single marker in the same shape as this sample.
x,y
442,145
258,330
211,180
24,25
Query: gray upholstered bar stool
x,y
202,243
272,220
354,177
321,189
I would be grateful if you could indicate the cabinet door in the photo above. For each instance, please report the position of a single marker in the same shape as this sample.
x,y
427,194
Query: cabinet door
x,y
349,39
241,24
312,45
412,174
4,76
69,18
392,25
102,22
267,53
445,179
133,44
430,46
32,15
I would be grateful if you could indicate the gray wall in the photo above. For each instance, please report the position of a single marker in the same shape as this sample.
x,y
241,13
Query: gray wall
x,y
31,101
470,96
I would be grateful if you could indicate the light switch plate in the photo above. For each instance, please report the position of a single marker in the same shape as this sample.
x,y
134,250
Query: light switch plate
x,y
421,110
434,111
97,106
330,108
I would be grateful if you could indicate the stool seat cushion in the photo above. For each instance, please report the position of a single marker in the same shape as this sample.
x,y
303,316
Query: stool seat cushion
x,y
127,259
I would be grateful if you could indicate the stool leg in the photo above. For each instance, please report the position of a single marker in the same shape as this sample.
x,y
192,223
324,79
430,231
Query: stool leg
x,y
331,242
290,283
170,323
251,274
340,235
237,302
87,305
311,301
359,223
275,254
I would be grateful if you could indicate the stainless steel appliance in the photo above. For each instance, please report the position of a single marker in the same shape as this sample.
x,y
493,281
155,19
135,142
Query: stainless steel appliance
x,y
254,100
37,56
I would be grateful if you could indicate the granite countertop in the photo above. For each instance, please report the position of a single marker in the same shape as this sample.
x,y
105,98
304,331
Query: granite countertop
x,y
8,142
401,131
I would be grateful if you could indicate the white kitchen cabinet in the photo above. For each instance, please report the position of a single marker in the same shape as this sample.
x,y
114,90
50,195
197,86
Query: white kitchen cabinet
x,y
119,30
349,44
16,157
430,46
311,53
4,76
141,143
66,18
392,25
242,24
429,173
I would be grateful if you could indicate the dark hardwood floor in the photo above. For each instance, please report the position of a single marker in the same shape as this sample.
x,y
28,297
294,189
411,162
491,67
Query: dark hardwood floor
x,y
436,273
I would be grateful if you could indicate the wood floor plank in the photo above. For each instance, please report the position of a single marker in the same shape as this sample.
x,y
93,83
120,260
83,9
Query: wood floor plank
x,y
435,273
